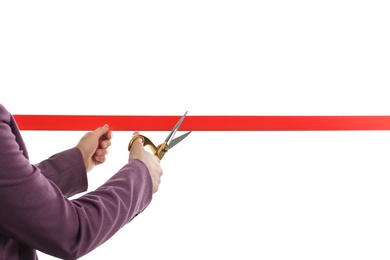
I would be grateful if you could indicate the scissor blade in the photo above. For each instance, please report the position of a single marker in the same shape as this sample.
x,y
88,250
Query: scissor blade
x,y
177,140
173,132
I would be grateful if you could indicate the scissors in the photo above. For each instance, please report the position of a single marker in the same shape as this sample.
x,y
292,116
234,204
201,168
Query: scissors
x,y
163,148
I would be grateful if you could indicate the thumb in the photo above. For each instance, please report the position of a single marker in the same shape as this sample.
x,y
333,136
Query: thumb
x,y
101,130
138,142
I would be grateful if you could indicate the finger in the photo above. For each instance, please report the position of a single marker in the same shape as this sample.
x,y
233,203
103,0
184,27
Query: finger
x,y
137,145
137,142
101,131
105,144
101,152
108,135
99,159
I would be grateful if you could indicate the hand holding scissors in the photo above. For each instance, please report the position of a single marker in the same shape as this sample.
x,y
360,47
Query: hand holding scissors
x,y
163,148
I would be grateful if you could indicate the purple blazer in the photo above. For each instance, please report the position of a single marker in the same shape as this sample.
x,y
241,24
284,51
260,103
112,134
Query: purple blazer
x,y
35,212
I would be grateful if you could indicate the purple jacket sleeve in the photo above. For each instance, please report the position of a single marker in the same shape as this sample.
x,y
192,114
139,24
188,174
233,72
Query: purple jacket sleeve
x,y
34,211
67,171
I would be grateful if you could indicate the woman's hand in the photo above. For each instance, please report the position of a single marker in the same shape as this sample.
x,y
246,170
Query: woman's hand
x,y
94,146
137,151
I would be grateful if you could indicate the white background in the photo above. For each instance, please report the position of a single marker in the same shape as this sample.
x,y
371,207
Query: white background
x,y
242,195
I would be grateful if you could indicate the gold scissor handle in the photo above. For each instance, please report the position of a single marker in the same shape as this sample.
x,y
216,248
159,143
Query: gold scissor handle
x,y
158,151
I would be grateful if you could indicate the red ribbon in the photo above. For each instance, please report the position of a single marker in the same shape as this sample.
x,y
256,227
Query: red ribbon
x,y
203,123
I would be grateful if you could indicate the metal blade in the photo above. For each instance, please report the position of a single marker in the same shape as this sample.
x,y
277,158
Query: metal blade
x,y
177,140
173,132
